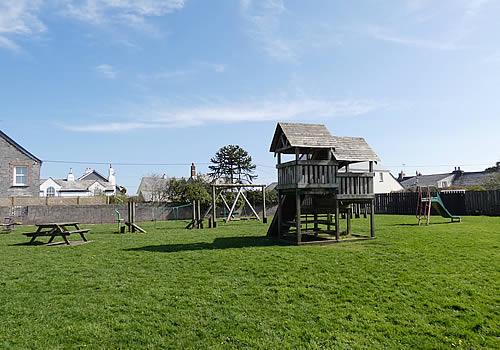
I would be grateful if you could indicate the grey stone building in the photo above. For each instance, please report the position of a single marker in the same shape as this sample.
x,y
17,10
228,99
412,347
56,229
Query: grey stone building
x,y
19,170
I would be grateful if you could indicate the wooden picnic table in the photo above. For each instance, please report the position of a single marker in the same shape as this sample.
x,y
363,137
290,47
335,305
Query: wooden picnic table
x,y
63,229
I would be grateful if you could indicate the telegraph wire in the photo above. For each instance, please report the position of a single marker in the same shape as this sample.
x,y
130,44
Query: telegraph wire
x,y
258,165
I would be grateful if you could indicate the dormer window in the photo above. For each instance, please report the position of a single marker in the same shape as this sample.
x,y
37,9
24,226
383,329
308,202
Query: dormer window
x,y
21,176
51,192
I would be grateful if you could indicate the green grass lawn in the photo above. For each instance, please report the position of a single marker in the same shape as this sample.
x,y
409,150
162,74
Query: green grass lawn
x,y
412,287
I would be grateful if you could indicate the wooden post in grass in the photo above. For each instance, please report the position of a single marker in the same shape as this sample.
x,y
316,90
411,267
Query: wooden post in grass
x,y
214,208
337,220
372,208
298,221
264,215
348,218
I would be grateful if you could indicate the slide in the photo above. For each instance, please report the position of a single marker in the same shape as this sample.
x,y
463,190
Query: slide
x,y
439,206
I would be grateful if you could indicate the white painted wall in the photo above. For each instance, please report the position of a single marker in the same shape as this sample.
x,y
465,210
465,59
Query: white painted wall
x,y
383,182
49,183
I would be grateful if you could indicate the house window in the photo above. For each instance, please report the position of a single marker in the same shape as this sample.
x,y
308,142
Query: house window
x,y
21,176
381,178
51,192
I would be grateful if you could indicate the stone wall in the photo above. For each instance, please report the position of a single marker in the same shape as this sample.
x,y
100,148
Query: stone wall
x,y
98,214
11,157
35,201
92,214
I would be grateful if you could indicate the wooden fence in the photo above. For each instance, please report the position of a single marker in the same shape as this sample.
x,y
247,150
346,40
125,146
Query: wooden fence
x,y
468,203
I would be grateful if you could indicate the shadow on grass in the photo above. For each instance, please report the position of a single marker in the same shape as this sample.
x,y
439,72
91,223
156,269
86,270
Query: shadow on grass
x,y
431,224
27,243
218,243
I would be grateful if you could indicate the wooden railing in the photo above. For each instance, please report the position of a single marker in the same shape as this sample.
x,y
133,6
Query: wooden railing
x,y
307,174
355,184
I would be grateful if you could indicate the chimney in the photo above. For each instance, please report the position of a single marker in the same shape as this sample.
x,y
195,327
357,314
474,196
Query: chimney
x,y
111,176
71,177
457,172
193,170
401,176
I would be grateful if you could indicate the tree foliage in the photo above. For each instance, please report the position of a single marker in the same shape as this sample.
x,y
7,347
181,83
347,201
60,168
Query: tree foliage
x,y
233,164
493,183
197,190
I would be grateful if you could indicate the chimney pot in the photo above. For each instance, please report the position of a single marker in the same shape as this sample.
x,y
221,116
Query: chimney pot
x,y
193,170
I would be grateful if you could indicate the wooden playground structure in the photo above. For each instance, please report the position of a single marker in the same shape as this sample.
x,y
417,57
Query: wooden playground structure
x,y
316,188
130,222
428,200
219,191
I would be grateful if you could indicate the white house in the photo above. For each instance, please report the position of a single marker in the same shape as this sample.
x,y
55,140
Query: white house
x,y
383,182
89,184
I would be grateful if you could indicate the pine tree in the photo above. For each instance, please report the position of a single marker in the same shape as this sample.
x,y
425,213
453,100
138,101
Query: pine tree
x,y
234,164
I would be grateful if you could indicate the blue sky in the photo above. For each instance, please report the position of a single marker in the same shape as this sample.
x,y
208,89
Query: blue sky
x,y
170,81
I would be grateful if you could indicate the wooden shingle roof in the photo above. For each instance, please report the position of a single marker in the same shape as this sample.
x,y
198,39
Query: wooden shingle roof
x,y
289,136
301,135
353,149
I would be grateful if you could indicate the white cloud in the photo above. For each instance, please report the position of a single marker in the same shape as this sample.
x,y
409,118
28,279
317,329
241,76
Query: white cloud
x,y
107,71
384,35
264,22
216,67
267,110
473,7
19,18
124,11
8,44
278,32
492,58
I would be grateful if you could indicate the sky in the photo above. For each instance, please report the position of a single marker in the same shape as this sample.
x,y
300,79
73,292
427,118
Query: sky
x,y
153,85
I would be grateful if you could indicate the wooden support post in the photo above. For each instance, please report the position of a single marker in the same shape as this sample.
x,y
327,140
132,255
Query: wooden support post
x,y
316,228
298,221
214,208
280,213
198,212
372,219
328,221
194,214
264,214
129,215
337,220
234,205
348,218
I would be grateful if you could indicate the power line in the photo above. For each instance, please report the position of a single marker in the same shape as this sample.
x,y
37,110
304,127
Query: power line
x,y
258,165
119,163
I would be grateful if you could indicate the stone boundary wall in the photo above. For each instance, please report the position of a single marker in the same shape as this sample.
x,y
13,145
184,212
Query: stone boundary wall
x,y
92,214
52,201
99,214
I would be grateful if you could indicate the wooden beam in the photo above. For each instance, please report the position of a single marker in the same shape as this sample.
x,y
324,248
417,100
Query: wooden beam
x,y
280,213
214,208
372,219
298,214
250,205
264,214
348,218
337,221
234,205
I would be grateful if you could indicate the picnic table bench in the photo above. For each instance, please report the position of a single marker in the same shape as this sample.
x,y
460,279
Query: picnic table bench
x,y
9,224
63,229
